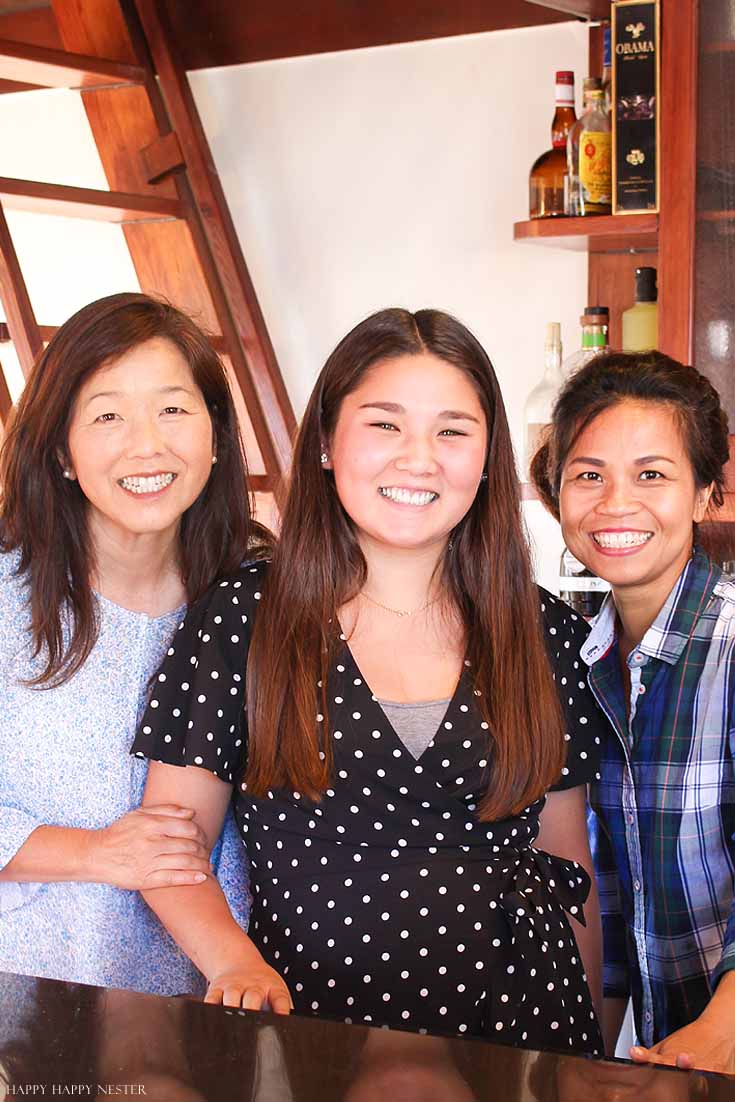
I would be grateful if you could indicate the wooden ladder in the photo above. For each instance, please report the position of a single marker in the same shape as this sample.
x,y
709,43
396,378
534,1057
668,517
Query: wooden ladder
x,y
166,195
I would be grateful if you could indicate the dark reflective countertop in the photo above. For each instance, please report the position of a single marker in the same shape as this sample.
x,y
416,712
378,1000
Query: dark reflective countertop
x,y
64,1040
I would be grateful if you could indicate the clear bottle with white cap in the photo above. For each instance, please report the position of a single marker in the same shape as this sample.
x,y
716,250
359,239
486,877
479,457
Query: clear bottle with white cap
x,y
540,401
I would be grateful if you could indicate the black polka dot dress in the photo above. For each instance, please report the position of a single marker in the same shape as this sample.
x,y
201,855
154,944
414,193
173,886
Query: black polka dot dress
x,y
388,902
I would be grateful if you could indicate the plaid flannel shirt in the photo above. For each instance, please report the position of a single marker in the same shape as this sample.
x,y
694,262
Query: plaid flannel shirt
x,y
663,824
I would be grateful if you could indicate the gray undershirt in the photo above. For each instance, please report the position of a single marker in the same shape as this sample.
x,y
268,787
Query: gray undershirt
x,y
415,724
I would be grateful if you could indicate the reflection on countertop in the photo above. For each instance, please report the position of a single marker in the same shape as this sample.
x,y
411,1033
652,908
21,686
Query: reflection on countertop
x,y
67,1040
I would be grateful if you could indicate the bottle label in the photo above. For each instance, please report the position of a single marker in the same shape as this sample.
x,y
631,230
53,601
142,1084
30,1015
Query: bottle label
x,y
595,165
594,340
565,95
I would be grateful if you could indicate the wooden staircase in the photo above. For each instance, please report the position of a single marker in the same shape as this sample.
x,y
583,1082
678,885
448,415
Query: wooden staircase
x,y
165,193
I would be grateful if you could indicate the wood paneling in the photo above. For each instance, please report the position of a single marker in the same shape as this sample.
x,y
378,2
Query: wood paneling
x,y
677,165
228,32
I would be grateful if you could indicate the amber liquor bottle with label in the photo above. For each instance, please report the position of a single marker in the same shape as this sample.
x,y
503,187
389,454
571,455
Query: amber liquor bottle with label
x,y
546,179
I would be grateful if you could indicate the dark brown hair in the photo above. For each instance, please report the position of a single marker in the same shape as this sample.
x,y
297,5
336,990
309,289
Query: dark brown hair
x,y
318,566
615,377
44,515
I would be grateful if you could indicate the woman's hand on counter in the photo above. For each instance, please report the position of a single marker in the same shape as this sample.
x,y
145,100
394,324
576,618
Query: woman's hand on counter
x,y
256,986
707,1043
151,847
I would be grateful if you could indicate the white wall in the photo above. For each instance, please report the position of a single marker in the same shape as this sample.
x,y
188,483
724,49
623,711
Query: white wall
x,y
392,176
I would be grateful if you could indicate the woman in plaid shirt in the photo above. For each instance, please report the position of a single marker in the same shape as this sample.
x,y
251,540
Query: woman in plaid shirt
x,y
635,454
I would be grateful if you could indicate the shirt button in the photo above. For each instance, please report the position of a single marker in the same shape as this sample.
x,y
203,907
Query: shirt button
x,y
639,657
637,885
648,1015
631,820
641,688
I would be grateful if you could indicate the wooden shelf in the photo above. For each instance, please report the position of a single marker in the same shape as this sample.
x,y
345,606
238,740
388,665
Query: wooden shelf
x,y
609,233
47,68
79,202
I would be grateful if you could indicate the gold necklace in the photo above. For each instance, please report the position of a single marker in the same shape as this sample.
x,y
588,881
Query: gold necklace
x,y
400,611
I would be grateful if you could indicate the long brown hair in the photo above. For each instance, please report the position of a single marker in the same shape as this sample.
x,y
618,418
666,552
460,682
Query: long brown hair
x,y
318,565
615,377
44,515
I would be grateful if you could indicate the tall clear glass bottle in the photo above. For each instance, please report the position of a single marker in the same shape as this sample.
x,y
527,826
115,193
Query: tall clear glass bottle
x,y
595,322
546,179
571,198
595,158
539,403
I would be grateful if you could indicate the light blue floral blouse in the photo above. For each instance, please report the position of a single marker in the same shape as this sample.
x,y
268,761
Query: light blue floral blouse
x,y
64,761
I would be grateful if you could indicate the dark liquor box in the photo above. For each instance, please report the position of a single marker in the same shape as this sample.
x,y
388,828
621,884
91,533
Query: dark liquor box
x,y
635,105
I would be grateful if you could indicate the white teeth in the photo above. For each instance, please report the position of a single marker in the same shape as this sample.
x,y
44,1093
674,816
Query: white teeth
x,y
148,485
408,497
615,540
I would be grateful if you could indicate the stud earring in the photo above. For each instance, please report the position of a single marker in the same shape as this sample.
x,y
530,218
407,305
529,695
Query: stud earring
x,y
67,473
214,460
483,476
324,457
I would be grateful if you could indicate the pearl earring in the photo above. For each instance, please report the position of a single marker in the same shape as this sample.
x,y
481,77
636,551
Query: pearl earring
x,y
67,473
214,459
324,457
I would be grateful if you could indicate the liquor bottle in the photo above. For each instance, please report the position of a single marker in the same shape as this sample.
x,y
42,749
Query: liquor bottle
x,y
595,159
537,410
546,180
607,67
579,587
640,322
595,322
571,198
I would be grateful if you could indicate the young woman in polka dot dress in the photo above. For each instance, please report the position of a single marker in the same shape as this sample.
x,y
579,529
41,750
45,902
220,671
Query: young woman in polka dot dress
x,y
381,699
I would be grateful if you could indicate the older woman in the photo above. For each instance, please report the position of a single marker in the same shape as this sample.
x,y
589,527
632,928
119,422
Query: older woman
x,y
124,498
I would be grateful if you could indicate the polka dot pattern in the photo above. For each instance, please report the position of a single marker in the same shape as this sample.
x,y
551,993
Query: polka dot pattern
x,y
388,901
